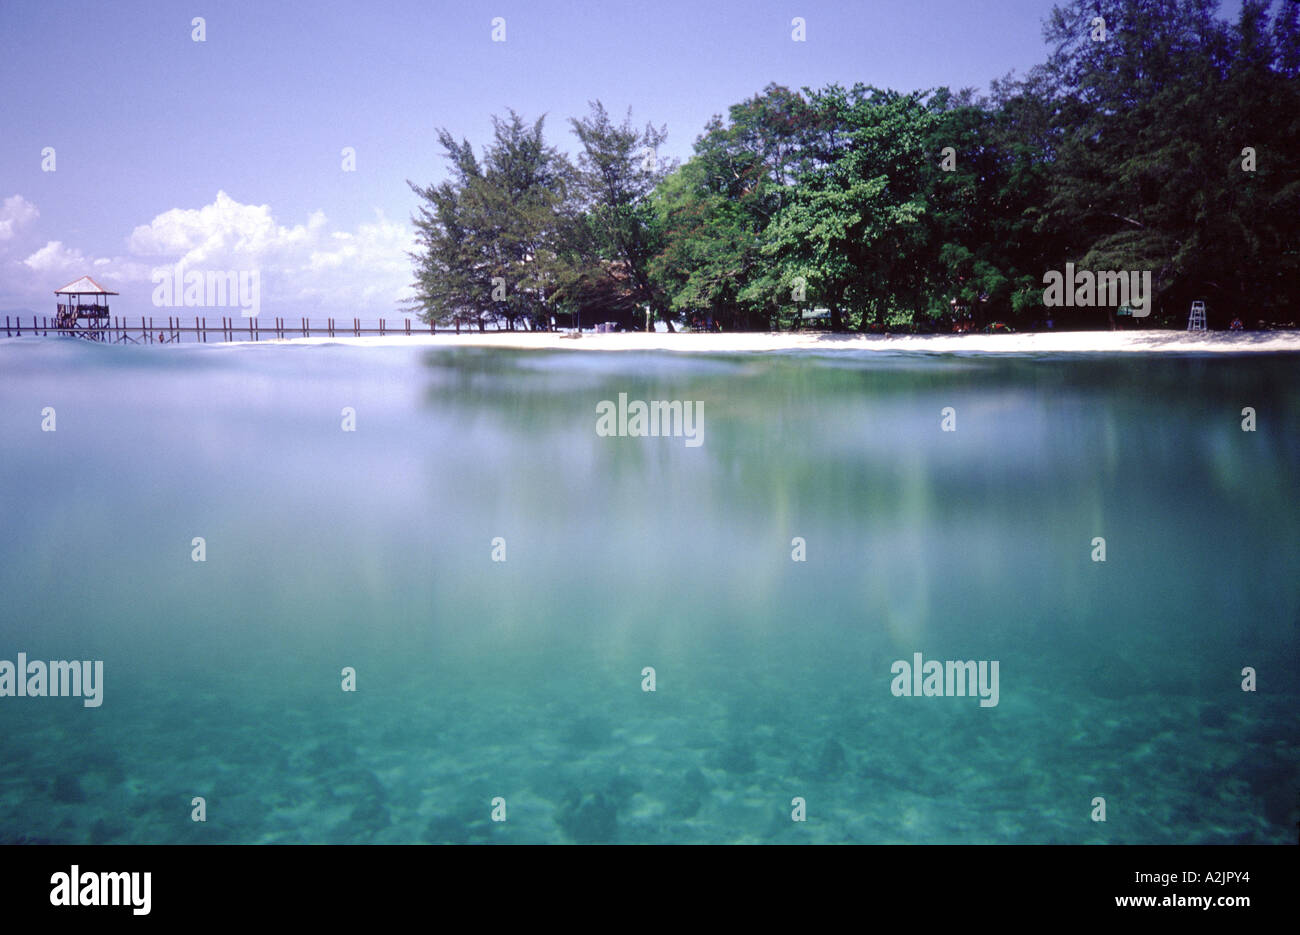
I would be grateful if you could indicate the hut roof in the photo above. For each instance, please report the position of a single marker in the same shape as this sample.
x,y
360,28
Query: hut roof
x,y
83,286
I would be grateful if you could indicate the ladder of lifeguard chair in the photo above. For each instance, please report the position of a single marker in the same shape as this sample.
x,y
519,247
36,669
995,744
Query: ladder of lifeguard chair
x,y
1196,321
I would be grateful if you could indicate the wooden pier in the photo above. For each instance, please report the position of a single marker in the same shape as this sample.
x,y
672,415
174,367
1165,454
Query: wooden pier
x,y
117,330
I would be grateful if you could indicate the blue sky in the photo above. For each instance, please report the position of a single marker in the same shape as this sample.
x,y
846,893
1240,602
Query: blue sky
x,y
148,126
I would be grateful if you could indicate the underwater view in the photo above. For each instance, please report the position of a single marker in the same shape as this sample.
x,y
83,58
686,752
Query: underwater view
x,y
403,594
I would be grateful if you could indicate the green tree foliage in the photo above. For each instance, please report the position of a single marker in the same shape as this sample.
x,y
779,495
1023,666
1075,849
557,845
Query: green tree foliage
x,y
1157,136
984,246
1152,125
492,235
449,278
715,210
852,230
616,234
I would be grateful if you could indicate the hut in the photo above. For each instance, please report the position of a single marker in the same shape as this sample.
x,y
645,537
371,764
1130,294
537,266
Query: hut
x,y
83,309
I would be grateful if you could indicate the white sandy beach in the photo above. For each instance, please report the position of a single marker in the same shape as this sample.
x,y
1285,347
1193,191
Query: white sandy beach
x,y
1068,342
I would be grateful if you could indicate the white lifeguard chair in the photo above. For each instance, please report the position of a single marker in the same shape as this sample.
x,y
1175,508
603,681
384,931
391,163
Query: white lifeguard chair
x,y
1196,320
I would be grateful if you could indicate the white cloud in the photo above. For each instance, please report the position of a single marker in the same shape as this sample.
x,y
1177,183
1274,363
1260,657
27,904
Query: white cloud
x,y
307,269
54,257
14,213
55,260
222,232
305,266
377,250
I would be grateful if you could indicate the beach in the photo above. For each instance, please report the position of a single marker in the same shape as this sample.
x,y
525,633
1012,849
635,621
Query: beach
x,y
1059,342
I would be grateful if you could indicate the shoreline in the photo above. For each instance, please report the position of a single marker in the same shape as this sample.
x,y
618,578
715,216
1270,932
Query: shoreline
x,y
1061,342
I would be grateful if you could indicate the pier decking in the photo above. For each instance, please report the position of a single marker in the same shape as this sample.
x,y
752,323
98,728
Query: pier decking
x,y
121,330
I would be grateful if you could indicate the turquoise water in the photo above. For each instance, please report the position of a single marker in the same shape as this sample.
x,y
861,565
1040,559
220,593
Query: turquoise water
x,y
522,679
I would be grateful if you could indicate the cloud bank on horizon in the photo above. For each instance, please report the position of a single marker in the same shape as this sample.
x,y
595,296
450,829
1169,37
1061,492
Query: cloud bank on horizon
x,y
309,269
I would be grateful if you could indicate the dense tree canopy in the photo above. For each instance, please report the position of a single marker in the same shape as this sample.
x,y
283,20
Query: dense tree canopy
x,y
1157,136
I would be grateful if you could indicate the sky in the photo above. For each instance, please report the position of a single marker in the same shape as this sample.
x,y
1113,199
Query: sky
x,y
228,154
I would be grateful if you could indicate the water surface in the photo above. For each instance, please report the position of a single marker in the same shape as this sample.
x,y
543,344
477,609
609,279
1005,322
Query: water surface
x,y
522,678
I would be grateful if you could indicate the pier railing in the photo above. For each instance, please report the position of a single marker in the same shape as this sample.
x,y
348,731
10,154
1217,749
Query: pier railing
x,y
174,330
83,310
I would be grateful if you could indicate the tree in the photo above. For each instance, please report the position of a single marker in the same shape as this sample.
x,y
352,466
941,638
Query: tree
x,y
448,270
852,231
716,210
1157,136
618,169
491,235
1153,124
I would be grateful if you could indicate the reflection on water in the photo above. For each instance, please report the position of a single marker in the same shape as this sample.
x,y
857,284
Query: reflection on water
x,y
523,678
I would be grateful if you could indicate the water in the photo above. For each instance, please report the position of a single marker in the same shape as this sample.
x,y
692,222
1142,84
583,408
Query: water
x,y
523,679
